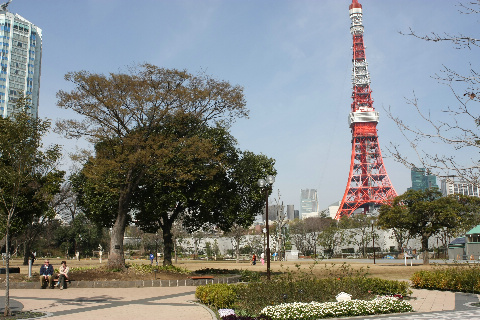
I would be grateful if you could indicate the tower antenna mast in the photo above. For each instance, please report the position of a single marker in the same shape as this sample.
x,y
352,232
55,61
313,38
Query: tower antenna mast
x,y
368,185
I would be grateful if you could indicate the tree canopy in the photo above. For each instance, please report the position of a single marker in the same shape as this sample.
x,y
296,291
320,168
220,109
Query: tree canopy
x,y
155,129
425,213
29,177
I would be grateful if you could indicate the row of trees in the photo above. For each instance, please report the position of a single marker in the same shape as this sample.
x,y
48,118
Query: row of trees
x,y
416,214
162,153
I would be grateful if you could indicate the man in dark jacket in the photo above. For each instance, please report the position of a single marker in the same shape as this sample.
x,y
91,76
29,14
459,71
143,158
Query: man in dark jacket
x,y
46,274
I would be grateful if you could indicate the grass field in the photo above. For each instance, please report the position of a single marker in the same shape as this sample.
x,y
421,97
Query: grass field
x,y
393,270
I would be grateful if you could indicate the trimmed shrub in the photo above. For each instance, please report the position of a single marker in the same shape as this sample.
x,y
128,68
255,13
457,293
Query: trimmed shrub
x,y
464,278
250,298
220,296
254,296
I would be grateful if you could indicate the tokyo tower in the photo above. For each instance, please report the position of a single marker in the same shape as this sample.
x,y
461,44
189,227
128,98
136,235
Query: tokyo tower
x,y
368,184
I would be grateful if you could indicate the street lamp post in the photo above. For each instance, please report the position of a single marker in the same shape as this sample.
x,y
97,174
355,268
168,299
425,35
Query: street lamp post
x,y
156,249
266,184
373,238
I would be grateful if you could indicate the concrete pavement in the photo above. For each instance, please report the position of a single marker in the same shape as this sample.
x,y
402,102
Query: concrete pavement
x,y
431,300
169,303
113,303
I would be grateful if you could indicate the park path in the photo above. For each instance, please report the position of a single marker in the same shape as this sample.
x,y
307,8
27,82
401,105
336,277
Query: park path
x,y
113,303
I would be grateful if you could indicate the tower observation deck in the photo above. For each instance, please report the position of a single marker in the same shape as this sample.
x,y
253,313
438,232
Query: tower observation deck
x,y
368,185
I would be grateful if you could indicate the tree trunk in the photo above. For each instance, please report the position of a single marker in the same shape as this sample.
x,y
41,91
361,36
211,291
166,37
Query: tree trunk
x,y
26,252
116,257
237,250
426,260
167,242
7,311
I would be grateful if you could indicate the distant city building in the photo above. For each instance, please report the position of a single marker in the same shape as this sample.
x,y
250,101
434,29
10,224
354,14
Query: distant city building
x,y
333,209
308,202
313,214
455,185
290,212
296,214
421,180
275,212
21,55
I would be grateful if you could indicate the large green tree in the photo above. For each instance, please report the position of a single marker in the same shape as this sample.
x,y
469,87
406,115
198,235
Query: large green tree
x,y
28,175
81,235
425,213
121,114
203,180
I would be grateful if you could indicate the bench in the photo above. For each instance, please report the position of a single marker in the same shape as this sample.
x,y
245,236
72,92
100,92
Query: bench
x,y
201,277
10,270
55,281
411,257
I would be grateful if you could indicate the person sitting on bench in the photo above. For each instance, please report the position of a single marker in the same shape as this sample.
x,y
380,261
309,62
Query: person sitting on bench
x,y
63,275
46,274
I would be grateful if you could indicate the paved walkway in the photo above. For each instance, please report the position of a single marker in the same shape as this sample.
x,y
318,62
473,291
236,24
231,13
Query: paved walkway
x,y
108,303
169,303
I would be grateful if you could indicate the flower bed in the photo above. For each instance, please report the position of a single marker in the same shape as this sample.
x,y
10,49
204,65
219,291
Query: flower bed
x,y
315,310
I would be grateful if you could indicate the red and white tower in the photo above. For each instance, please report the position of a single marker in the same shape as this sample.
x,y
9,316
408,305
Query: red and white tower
x,y
368,184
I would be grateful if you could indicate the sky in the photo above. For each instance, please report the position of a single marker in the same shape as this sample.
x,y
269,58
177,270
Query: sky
x,y
292,57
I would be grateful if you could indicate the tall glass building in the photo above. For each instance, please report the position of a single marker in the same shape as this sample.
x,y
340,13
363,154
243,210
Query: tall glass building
x,y
21,55
308,202
421,180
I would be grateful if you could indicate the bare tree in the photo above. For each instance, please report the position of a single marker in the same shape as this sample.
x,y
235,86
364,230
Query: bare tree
x,y
460,130
358,229
237,236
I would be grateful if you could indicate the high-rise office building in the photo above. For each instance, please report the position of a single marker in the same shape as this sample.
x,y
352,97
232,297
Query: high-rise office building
x,y
455,185
21,55
421,180
308,202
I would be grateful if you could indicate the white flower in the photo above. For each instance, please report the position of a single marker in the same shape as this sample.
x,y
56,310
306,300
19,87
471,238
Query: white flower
x,y
225,312
343,296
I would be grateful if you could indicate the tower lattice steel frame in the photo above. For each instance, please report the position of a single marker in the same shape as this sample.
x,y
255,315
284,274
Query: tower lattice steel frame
x,y
368,183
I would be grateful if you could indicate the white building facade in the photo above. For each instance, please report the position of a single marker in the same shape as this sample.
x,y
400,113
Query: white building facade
x,y
457,186
21,55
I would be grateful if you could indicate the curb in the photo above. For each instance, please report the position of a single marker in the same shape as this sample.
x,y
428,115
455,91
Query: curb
x,y
131,284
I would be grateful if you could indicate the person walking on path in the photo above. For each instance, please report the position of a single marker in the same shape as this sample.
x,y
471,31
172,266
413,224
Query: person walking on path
x,y
63,275
254,259
46,274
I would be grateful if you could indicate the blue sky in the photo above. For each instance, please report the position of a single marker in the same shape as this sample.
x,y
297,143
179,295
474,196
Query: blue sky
x,y
293,59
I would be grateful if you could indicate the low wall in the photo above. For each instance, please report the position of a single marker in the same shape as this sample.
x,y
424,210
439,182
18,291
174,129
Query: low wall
x,y
130,284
